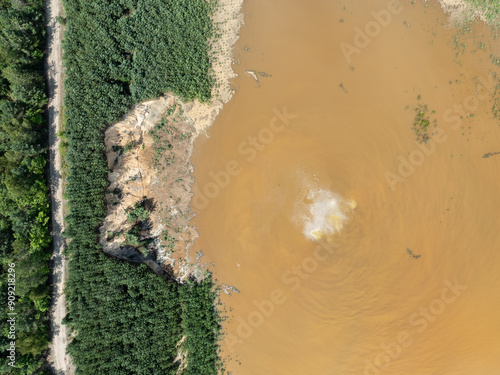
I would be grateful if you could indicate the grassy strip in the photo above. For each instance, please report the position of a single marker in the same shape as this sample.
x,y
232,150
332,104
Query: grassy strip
x,y
24,205
126,319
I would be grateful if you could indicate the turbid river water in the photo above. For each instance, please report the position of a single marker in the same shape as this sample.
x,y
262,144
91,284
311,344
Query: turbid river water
x,y
356,249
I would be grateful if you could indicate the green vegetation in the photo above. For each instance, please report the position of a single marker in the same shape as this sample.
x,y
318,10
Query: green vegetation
x,y
139,236
139,50
495,109
489,8
139,212
24,206
485,156
164,134
170,240
201,327
125,318
414,256
495,60
422,122
63,150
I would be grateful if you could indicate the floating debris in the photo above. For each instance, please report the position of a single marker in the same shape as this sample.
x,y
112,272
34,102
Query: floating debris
x,y
253,75
228,289
264,74
490,154
411,254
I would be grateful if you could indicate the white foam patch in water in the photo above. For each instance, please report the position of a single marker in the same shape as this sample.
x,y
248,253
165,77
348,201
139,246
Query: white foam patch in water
x,y
326,214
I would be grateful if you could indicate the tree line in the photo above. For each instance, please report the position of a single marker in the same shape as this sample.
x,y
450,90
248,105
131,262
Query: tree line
x,y
24,206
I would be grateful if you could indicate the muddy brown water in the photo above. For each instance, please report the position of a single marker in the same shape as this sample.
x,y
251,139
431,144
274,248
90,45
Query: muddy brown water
x,y
355,250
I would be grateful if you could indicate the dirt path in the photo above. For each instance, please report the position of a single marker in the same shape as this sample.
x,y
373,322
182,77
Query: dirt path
x,y
59,360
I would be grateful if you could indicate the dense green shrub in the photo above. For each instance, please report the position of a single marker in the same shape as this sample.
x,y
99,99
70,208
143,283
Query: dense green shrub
x,y
139,212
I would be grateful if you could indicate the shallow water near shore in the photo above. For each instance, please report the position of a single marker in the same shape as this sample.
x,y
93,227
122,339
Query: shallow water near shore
x,y
356,250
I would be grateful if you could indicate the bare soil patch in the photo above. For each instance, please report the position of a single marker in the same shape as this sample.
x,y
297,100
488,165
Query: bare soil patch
x,y
148,155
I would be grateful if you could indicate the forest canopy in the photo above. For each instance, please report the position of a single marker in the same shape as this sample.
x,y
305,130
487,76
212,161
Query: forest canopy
x,y
24,206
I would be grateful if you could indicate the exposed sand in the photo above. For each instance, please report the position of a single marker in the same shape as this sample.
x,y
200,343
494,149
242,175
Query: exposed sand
x,y
153,166
130,172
